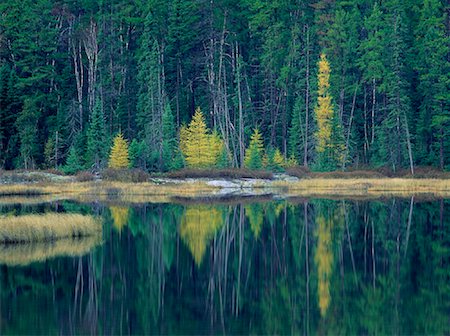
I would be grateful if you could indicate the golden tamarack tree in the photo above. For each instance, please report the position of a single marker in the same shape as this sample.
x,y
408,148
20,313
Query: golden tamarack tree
x,y
200,148
329,142
119,157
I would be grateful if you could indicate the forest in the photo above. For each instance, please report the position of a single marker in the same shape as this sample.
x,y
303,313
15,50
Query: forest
x,y
326,84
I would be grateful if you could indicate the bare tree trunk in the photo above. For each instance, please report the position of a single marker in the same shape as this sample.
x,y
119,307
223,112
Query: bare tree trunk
x,y
373,110
79,72
350,123
305,149
241,114
408,142
91,50
366,136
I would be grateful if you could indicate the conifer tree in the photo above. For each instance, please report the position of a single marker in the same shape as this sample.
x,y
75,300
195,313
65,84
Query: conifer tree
x,y
119,157
329,147
433,48
27,123
73,164
169,144
96,148
255,151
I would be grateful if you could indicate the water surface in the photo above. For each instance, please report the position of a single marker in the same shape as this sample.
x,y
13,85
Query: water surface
x,y
276,267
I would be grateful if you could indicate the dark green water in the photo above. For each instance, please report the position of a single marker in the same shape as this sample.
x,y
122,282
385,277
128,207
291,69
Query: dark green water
x,y
306,267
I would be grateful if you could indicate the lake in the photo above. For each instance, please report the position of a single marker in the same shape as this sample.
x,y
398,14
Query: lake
x,y
251,266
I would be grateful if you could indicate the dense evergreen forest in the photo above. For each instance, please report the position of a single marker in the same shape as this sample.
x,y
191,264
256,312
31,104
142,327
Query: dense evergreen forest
x,y
328,84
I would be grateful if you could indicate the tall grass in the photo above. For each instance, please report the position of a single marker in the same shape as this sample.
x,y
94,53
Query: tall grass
x,y
361,187
25,254
47,227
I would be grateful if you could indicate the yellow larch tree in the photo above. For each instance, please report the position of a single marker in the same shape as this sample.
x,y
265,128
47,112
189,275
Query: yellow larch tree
x,y
119,156
329,142
200,148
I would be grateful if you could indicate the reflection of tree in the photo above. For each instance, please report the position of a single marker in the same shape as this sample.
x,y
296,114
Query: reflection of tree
x,y
255,215
324,261
120,216
198,226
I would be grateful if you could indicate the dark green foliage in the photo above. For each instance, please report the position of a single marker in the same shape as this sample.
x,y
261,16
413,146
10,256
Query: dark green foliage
x,y
97,145
73,163
245,63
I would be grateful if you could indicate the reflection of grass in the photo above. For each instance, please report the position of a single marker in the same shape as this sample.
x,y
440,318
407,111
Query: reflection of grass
x,y
24,254
34,228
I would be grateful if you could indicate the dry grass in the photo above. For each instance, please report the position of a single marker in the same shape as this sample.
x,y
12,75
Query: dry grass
x,y
25,254
106,188
47,227
361,187
108,191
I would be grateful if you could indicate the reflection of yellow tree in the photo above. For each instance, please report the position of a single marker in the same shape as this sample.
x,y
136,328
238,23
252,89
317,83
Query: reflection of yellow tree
x,y
120,216
255,216
324,261
198,226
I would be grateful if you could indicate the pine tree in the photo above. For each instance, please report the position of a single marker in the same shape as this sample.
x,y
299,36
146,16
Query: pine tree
x,y
329,147
119,157
255,152
73,164
96,139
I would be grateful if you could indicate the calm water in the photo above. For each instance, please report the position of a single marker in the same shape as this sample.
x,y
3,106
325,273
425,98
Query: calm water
x,y
304,267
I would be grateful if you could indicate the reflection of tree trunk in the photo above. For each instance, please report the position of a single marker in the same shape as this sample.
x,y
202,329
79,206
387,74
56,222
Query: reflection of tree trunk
x,y
350,242
366,223
408,229
241,249
373,255
305,219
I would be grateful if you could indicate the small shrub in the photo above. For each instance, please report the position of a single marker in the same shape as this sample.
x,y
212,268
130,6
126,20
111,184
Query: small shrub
x,y
125,175
298,171
84,176
220,173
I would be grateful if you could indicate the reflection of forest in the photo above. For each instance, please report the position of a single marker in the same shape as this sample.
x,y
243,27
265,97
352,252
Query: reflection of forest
x,y
334,267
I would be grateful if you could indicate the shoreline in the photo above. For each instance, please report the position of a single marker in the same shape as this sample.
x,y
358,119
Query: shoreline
x,y
209,189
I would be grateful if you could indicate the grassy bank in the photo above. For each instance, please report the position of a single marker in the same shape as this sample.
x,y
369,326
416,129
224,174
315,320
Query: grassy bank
x,y
25,254
167,190
47,227
362,187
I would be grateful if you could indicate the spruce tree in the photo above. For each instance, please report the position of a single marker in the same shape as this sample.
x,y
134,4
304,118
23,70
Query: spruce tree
x,y
433,48
27,123
169,144
255,151
73,162
96,139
